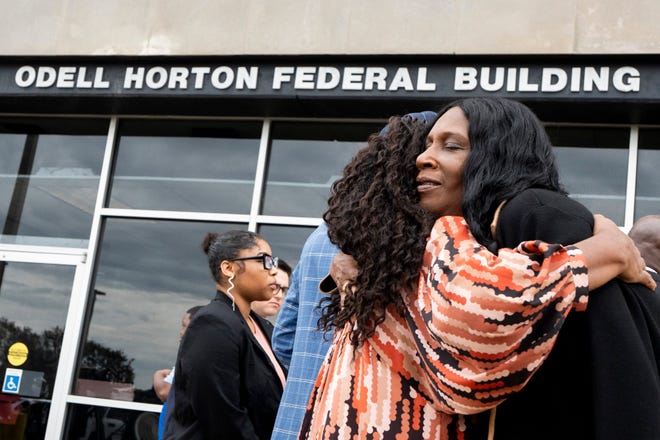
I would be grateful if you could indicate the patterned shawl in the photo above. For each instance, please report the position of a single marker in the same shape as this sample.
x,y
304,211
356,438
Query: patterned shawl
x,y
475,331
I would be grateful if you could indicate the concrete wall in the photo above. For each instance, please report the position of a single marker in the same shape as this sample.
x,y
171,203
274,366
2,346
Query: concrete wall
x,y
283,27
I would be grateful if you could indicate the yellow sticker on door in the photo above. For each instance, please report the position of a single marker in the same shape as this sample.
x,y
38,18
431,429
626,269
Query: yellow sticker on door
x,y
17,354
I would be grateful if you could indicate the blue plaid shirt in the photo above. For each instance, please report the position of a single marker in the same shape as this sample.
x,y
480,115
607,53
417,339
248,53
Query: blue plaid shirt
x,y
296,341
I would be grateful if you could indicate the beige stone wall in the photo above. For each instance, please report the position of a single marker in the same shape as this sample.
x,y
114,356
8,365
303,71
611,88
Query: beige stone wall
x,y
281,27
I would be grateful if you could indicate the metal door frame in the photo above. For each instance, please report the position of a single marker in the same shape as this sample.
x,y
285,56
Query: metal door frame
x,y
73,323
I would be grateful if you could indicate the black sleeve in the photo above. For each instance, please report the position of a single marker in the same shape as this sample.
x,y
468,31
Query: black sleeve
x,y
543,215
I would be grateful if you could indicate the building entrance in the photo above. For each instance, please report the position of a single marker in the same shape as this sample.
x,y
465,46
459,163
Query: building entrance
x,y
39,318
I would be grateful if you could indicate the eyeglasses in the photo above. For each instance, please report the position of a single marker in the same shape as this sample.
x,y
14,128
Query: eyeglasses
x,y
268,261
280,289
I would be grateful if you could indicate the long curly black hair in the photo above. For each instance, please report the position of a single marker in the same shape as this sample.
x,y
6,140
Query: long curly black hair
x,y
374,215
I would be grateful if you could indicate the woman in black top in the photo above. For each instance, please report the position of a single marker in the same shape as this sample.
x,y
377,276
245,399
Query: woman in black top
x,y
602,378
228,383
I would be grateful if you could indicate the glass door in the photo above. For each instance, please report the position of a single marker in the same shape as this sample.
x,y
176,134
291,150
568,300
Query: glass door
x,y
40,320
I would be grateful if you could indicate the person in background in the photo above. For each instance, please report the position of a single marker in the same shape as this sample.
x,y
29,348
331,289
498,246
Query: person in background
x,y
162,381
646,235
297,339
269,309
228,382
426,360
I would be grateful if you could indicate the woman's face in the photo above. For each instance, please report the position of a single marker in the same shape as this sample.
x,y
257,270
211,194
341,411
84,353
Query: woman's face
x,y
274,304
255,283
440,166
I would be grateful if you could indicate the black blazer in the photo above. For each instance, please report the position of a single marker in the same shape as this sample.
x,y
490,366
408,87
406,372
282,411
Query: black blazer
x,y
225,384
602,378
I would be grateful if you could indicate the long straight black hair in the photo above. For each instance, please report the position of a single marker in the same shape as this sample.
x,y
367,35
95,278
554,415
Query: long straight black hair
x,y
510,152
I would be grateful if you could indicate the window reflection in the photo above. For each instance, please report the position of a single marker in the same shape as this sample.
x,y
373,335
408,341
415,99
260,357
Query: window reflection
x,y
286,241
647,192
102,423
186,166
49,176
33,304
593,166
149,273
305,158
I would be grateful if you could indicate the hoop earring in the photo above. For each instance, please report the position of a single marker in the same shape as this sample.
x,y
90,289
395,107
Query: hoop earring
x,y
231,286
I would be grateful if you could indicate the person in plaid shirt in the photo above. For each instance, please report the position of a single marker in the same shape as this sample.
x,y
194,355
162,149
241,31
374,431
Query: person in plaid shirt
x,y
296,341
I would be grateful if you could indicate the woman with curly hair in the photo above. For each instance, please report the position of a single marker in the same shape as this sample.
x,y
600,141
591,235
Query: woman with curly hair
x,y
415,353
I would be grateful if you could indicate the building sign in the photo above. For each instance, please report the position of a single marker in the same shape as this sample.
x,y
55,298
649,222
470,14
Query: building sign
x,y
552,79
331,86
593,80
354,78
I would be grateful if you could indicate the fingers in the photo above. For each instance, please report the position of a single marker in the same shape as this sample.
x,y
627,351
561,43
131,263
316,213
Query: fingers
x,y
641,276
634,269
343,290
648,280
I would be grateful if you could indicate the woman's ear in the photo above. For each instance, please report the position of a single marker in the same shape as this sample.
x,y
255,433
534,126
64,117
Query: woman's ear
x,y
227,268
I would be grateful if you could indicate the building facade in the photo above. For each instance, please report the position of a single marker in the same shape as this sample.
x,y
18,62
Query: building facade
x,y
127,131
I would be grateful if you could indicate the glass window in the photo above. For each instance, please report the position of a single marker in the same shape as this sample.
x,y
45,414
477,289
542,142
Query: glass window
x,y
149,273
49,176
30,343
593,166
200,166
86,422
305,158
286,241
647,190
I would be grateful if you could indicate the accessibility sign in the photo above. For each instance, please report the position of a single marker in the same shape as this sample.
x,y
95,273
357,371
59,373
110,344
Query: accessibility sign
x,y
12,381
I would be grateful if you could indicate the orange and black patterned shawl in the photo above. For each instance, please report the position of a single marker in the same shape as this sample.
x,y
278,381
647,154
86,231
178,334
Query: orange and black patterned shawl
x,y
475,331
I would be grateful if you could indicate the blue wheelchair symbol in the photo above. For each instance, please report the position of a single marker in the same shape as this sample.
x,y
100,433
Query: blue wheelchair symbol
x,y
11,384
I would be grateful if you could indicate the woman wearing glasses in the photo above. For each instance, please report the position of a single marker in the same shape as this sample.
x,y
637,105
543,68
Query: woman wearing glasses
x,y
228,382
